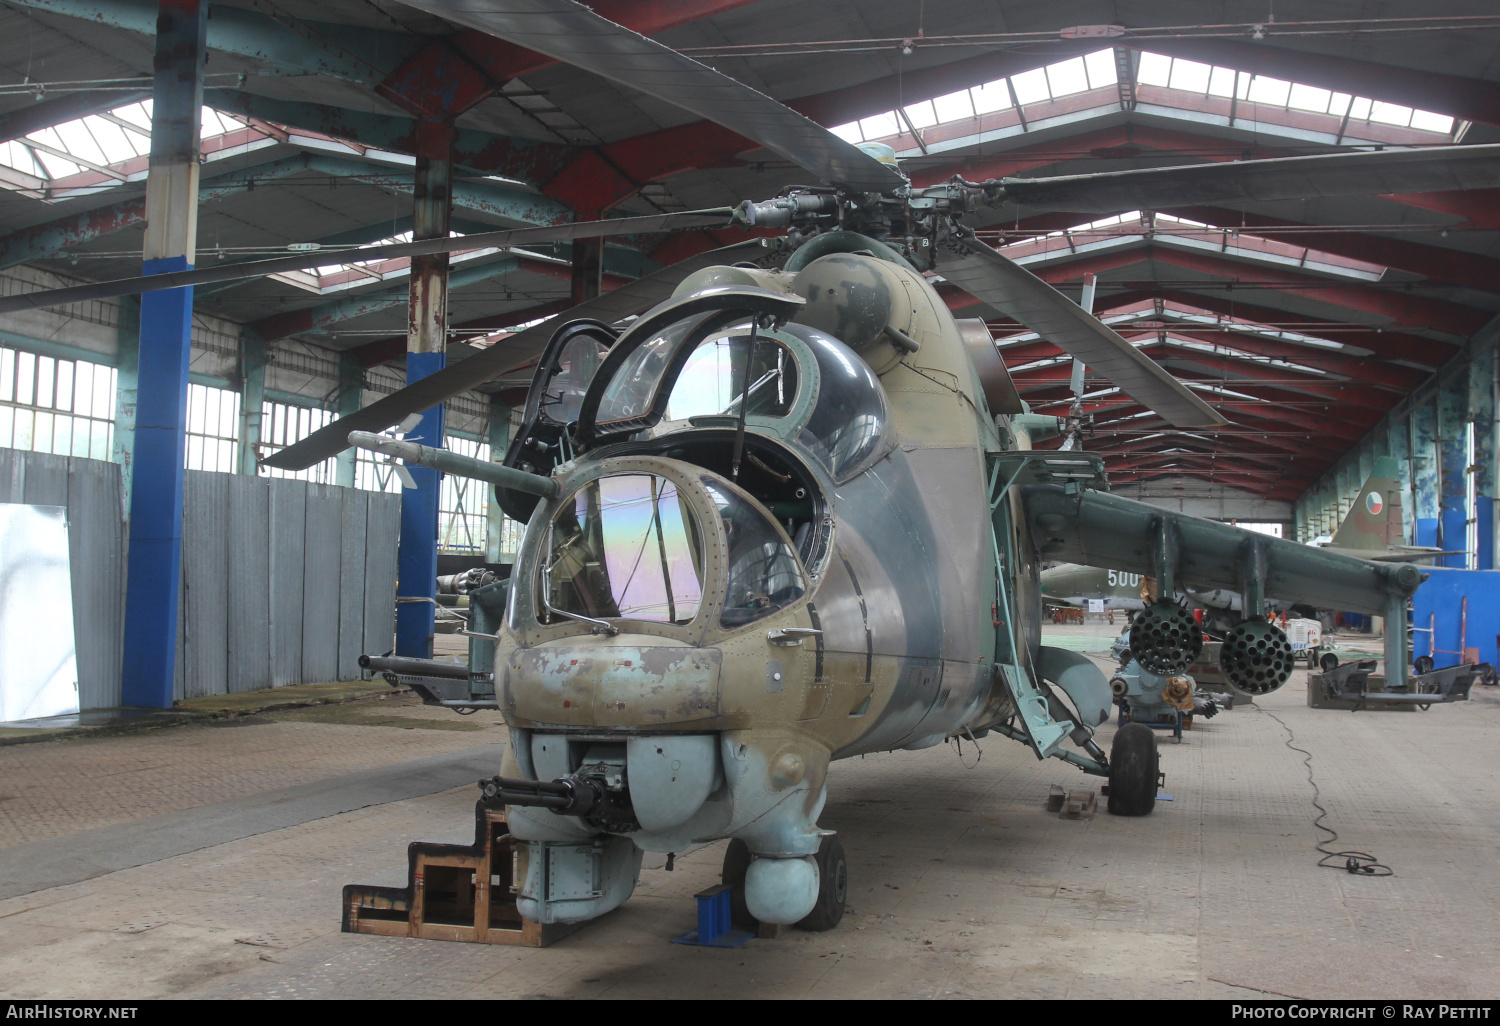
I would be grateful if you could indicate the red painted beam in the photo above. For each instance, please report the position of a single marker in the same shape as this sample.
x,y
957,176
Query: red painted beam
x,y
1388,345
1480,207
1355,372
1400,307
1446,265
1358,378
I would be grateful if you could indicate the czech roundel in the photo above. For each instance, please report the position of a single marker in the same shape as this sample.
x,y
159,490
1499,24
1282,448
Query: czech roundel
x,y
1374,503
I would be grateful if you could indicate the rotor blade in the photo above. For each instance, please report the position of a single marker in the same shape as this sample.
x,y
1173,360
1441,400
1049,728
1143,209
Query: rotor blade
x,y
992,278
572,33
716,218
504,357
1434,169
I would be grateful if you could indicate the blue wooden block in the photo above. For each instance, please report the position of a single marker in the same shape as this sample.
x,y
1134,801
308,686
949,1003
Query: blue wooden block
x,y
713,921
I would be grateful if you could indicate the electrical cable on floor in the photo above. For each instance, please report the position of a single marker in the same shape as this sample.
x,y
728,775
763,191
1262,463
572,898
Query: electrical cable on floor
x,y
1357,862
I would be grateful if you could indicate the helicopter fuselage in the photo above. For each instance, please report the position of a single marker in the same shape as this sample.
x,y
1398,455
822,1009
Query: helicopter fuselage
x,y
718,728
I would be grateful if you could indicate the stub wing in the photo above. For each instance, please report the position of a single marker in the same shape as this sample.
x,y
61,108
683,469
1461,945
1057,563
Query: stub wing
x,y
1085,525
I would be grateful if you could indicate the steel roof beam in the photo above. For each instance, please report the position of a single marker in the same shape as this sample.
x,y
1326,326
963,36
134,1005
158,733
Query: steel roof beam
x,y
339,311
493,200
522,159
53,238
1397,307
70,107
1387,345
614,172
348,52
1451,266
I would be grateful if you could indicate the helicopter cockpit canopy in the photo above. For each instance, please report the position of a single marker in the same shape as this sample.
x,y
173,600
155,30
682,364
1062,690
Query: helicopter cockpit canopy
x,y
684,364
631,546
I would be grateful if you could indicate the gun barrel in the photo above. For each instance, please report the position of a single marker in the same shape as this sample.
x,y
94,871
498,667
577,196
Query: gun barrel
x,y
453,463
413,667
562,795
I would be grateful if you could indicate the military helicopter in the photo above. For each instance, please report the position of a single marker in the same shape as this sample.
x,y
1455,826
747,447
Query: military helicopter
x,y
790,513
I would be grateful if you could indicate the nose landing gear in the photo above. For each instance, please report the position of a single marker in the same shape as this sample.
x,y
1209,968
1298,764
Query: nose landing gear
x,y
1134,771
833,885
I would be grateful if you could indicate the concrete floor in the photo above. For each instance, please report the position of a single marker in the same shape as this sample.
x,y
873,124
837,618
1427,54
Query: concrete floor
x,y
207,861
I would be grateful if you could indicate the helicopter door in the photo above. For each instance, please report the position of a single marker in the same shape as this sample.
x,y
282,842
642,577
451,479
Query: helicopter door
x,y
562,377
632,388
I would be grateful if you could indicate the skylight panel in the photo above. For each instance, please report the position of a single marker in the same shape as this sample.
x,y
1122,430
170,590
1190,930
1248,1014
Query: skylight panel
x,y
954,106
921,114
1306,97
1360,109
1430,122
13,154
1221,82
1067,77
1272,91
138,114
1031,86
113,140
78,140
880,126
1101,69
990,97
1189,76
1390,114
849,132
1154,69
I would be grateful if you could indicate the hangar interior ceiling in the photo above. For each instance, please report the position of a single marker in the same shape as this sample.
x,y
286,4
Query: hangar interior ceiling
x,y
1304,322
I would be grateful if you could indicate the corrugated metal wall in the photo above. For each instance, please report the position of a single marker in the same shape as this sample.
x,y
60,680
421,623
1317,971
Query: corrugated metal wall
x,y
90,489
283,582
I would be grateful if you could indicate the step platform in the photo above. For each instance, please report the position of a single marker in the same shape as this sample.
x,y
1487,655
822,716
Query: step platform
x,y
454,892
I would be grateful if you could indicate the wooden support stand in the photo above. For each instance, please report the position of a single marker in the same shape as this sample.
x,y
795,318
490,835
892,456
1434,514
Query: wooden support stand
x,y
454,892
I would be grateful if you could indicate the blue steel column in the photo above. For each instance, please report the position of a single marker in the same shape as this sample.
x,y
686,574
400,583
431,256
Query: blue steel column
x,y
426,345
154,578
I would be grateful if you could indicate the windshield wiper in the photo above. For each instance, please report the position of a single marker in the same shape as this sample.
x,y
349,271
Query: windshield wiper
x,y
600,626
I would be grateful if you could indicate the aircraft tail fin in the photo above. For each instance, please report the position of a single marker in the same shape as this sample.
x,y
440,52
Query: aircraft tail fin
x,y
1374,521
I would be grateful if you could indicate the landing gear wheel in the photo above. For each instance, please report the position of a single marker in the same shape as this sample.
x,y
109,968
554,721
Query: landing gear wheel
x,y
1134,767
1329,662
1422,665
736,865
833,886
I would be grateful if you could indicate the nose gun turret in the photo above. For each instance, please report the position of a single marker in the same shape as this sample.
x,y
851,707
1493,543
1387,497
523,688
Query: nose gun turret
x,y
595,793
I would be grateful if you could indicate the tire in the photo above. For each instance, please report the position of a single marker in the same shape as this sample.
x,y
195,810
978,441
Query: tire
x,y
1134,765
833,887
1329,662
736,865
1422,665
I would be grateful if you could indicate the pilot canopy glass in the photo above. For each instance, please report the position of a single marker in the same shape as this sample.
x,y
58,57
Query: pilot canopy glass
x,y
626,546
764,572
713,379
